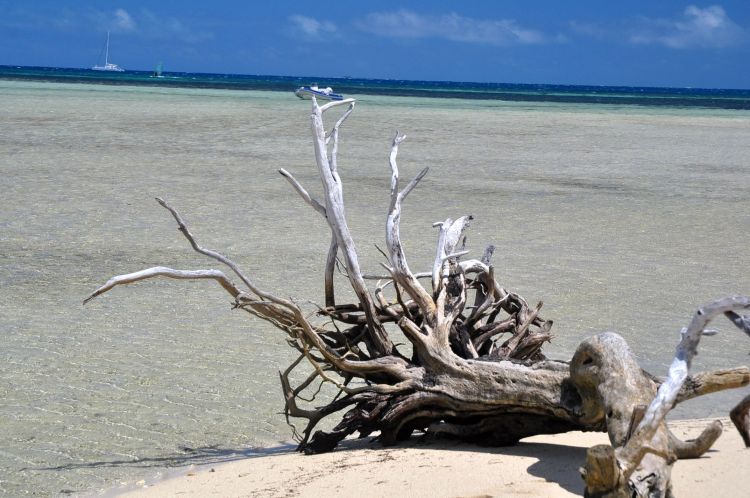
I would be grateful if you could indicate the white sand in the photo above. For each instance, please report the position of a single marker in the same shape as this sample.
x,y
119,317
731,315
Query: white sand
x,y
539,466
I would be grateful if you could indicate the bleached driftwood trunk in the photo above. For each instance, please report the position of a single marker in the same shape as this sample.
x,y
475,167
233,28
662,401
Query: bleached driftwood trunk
x,y
475,369
639,462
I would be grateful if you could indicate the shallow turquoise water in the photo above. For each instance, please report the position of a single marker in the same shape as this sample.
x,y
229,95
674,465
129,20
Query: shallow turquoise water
x,y
618,218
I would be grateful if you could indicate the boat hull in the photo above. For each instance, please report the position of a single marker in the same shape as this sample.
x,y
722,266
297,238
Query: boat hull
x,y
305,92
109,67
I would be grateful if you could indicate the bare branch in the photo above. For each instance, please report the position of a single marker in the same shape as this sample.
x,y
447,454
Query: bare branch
x,y
449,234
489,297
335,135
303,193
328,275
401,271
742,322
219,257
333,249
455,255
437,264
340,121
703,383
413,183
631,454
331,104
740,416
163,271
394,169
334,204
698,446
455,232
488,252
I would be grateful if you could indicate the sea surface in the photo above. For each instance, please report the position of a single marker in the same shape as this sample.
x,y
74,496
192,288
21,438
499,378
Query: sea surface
x,y
511,92
619,217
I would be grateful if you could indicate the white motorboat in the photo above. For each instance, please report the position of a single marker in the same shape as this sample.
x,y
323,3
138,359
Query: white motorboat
x,y
307,92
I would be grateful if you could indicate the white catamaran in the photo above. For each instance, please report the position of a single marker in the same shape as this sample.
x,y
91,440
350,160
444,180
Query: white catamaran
x,y
108,66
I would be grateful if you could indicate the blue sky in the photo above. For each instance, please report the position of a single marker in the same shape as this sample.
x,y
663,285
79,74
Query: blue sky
x,y
644,42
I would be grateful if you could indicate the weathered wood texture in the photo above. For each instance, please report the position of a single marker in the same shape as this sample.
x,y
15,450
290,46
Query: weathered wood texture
x,y
474,367
740,415
644,450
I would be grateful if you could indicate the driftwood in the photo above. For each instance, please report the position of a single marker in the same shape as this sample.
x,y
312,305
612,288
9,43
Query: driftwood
x,y
639,462
473,366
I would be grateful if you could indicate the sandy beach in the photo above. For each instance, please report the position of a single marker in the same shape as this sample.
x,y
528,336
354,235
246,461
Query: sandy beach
x,y
538,466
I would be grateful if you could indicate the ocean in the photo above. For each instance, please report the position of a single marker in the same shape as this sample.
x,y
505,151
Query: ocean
x,y
617,216
571,94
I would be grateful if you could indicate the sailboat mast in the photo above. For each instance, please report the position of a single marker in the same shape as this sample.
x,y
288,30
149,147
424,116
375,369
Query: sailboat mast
x,y
108,66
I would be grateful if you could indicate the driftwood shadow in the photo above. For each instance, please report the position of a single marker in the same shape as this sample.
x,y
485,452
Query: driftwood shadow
x,y
199,457
556,463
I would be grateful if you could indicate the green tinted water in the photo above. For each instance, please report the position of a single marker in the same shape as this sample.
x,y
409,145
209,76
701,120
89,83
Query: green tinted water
x,y
619,219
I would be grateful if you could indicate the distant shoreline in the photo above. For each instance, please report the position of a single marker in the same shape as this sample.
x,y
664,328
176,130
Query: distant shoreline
x,y
568,94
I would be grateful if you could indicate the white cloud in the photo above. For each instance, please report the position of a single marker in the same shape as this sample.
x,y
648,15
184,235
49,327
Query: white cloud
x,y
123,21
311,28
708,27
408,24
143,23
